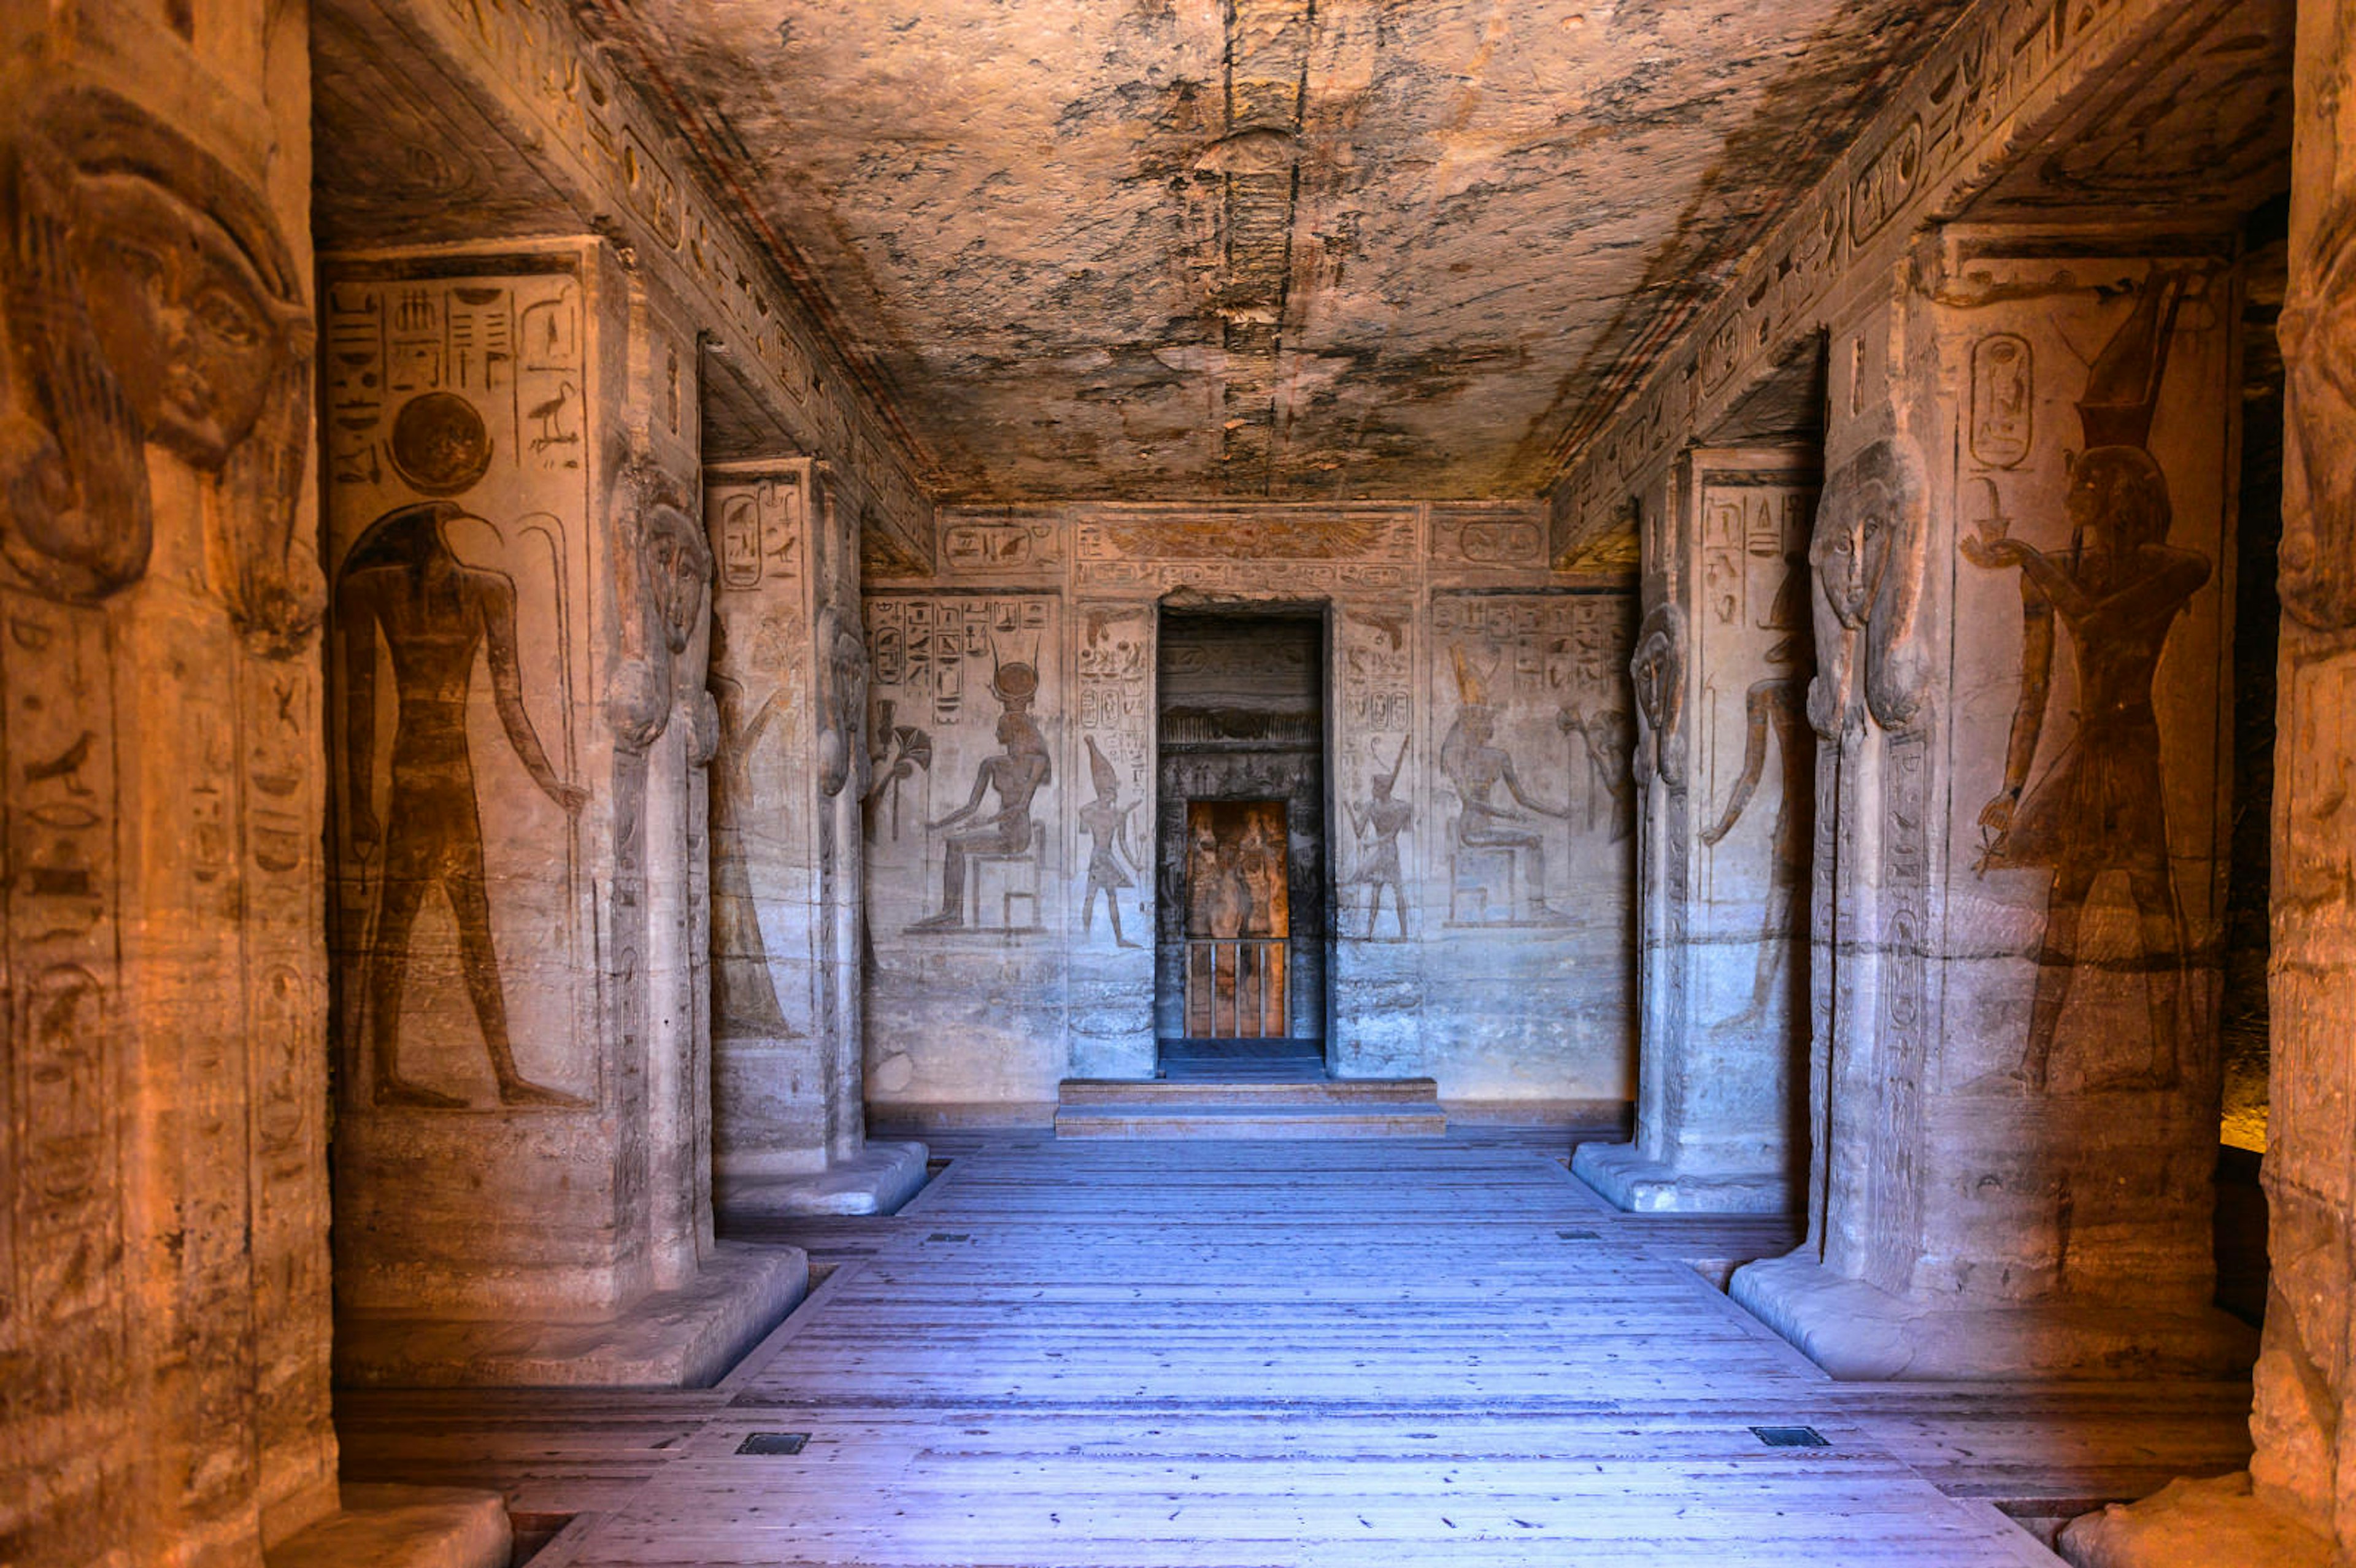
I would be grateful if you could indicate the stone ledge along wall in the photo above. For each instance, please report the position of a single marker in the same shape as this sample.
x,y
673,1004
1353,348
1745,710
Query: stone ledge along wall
x,y
163,1282
1499,956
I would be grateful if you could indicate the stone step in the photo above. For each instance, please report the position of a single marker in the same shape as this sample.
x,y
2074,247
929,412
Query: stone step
x,y
1324,1108
1184,1119
1160,1091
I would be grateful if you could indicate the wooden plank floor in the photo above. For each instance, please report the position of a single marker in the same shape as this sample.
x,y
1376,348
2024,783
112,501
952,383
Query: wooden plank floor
x,y
1271,1353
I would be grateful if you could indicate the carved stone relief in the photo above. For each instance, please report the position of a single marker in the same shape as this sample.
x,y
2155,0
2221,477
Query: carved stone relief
x,y
974,667
1867,551
1525,673
2099,803
1377,649
149,298
458,495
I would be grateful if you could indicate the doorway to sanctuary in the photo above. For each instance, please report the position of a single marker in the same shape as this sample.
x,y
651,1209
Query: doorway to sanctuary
x,y
1240,894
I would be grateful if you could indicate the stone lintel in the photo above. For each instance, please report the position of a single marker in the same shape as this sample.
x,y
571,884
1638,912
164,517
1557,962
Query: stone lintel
x,y
876,1180
1628,1181
1857,1331
672,1339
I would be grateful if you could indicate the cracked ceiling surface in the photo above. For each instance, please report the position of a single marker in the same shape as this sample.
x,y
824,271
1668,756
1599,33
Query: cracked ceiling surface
x,y
1178,248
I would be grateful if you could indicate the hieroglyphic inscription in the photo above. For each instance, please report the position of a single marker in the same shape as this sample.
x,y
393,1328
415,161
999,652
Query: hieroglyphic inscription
x,y
1527,673
974,673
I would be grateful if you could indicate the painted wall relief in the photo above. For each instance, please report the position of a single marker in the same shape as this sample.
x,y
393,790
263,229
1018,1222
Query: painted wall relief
x,y
1754,538
1376,651
149,298
1116,724
457,492
974,667
1529,674
758,820
2098,805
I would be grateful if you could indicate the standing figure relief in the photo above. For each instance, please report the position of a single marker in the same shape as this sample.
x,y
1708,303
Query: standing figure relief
x,y
1378,823
1777,707
1106,822
2117,590
436,616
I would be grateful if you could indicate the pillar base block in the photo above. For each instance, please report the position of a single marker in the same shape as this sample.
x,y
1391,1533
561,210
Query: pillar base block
x,y
402,1527
2215,1524
672,1339
1629,1181
1857,1331
876,1180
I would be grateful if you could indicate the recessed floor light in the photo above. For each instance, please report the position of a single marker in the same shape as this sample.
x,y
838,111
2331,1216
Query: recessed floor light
x,y
1790,1437
773,1443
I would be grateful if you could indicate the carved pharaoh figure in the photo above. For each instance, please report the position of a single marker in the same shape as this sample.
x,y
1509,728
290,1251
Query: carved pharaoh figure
x,y
2119,589
1106,822
744,993
1378,823
148,298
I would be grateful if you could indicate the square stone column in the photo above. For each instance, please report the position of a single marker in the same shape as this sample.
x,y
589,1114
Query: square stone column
x,y
2296,1507
790,782
520,590
2020,603
1722,672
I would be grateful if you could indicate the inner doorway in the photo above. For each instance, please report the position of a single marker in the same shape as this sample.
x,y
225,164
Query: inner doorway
x,y
1240,894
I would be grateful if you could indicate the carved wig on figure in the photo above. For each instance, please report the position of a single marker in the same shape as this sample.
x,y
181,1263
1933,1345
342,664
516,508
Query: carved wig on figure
x,y
668,589
1656,670
2102,805
1866,550
149,298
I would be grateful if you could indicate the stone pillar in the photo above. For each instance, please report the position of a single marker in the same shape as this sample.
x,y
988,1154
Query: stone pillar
x,y
164,1280
519,584
790,782
2296,1507
2022,699
1111,980
1722,671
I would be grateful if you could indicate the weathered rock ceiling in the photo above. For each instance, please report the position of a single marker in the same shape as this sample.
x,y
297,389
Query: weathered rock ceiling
x,y
1180,248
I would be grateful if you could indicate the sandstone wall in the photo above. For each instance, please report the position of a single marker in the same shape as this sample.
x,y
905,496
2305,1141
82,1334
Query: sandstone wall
x,y
1449,639
163,1202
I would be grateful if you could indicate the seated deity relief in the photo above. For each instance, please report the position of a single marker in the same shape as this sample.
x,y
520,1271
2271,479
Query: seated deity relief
x,y
1489,834
148,299
1011,834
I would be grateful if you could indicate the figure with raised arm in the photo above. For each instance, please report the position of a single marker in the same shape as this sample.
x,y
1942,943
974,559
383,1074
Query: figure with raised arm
x,y
2117,590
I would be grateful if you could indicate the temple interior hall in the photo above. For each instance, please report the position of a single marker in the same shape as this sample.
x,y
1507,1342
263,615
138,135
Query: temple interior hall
x,y
1121,783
